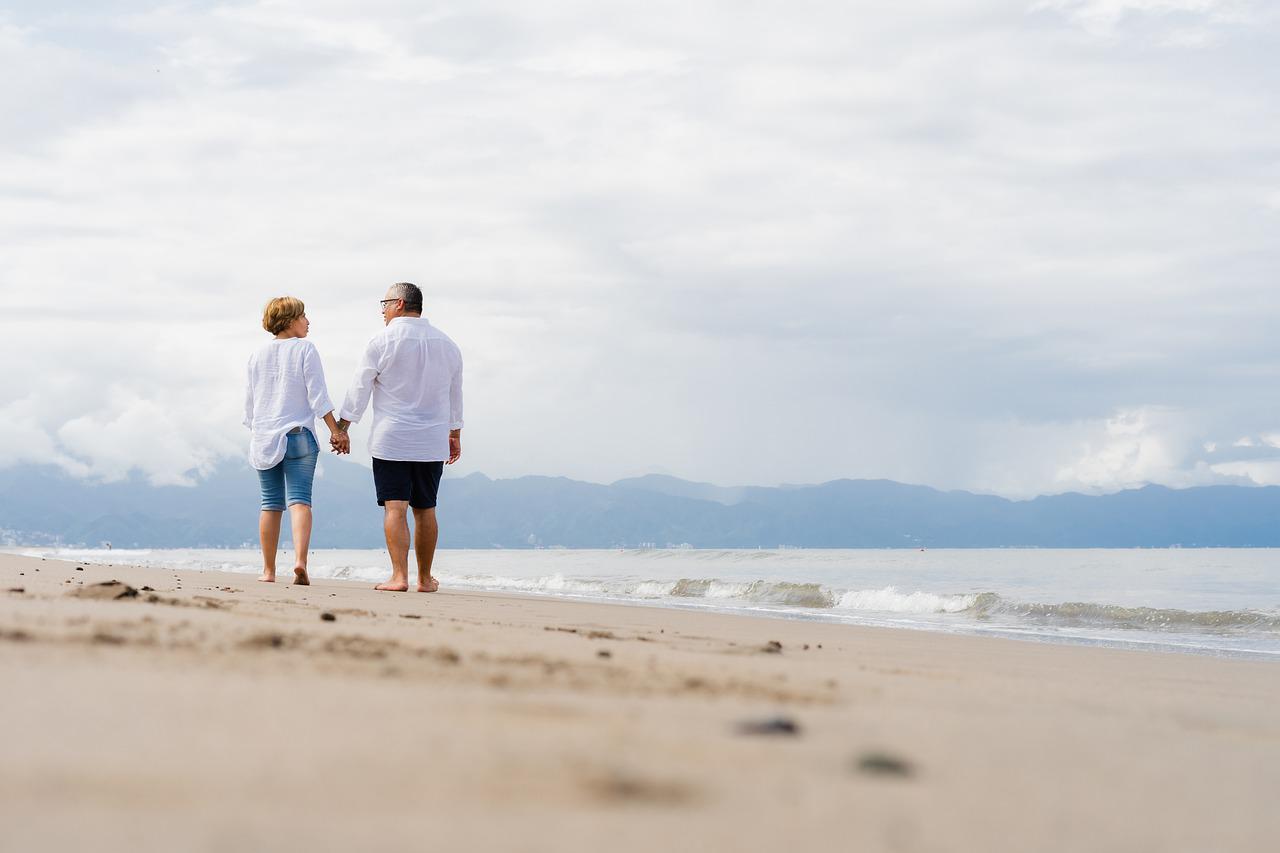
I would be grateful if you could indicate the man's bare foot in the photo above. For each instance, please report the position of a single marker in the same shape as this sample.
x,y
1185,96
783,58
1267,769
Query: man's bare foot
x,y
267,577
430,586
393,586
300,576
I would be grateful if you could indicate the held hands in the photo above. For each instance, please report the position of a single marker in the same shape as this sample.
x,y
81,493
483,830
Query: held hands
x,y
340,442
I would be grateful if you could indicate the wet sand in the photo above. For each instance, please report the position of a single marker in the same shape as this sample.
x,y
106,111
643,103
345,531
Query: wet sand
x,y
209,712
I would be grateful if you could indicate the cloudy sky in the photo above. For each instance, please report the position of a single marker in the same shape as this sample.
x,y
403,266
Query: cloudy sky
x,y
1011,246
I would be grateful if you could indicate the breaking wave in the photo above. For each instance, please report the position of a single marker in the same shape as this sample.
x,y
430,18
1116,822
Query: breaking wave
x,y
983,607
1114,616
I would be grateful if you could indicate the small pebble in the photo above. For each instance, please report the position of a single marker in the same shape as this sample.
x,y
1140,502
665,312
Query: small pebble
x,y
79,568
17,589
604,653
772,647
770,726
328,617
880,764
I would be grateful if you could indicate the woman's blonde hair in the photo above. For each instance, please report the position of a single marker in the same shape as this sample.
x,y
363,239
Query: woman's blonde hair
x,y
280,313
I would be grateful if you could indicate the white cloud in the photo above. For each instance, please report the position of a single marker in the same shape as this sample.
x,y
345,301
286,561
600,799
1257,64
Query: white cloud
x,y
1262,472
164,442
1133,448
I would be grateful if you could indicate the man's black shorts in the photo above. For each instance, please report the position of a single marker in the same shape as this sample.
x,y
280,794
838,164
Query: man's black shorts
x,y
415,482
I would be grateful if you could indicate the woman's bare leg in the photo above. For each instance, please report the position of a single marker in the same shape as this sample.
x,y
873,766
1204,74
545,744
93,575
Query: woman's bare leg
x,y
269,537
300,516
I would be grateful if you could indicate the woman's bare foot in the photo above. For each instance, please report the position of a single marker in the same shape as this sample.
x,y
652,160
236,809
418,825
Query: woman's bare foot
x,y
393,586
300,576
430,586
267,577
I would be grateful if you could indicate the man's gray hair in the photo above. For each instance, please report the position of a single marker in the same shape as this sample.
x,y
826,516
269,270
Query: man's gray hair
x,y
411,295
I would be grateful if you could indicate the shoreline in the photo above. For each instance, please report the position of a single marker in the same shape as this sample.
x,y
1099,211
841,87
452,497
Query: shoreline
x,y
1139,639
212,711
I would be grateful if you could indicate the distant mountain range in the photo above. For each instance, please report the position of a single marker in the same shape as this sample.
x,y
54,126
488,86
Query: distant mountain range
x,y
43,505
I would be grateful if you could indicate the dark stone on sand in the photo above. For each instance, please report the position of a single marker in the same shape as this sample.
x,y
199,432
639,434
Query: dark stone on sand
x,y
806,647
106,591
328,617
410,616
17,589
264,641
772,647
620,787
147,589
79,568
604,653
769,726
882,764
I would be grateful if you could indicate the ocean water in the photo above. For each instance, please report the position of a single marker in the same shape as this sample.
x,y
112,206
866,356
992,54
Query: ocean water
x,y
1207,601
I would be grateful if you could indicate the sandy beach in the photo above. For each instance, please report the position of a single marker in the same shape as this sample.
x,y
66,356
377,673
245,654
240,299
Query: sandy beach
x,y
206,711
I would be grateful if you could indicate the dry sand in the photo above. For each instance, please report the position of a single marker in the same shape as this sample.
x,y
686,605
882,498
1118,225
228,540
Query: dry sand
x,y
212,712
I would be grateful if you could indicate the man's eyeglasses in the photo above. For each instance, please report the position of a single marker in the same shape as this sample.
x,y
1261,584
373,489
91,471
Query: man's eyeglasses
x,y
382,303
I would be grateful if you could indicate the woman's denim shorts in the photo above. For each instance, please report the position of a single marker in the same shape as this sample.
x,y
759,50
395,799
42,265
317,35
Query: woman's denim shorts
x,y
289,481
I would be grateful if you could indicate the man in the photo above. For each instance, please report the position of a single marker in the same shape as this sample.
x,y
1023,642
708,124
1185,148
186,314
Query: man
x,y
413,372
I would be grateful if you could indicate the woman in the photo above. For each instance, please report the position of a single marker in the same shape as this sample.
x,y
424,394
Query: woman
x,y
286,393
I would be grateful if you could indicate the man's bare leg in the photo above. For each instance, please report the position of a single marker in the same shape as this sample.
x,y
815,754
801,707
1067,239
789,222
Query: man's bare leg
x,y
395,525
269,537
425,533
300,518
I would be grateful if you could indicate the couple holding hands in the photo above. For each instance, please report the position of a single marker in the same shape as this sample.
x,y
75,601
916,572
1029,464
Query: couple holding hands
x,y
412,372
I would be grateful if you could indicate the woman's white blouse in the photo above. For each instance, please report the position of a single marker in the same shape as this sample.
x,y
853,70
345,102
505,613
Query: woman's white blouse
x,y
286,389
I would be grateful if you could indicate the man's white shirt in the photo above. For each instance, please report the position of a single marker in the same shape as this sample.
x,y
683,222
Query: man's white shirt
x,y
413,373
285,389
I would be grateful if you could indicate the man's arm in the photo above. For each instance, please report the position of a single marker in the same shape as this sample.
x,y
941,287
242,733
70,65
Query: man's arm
x,y
357,399
455,413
